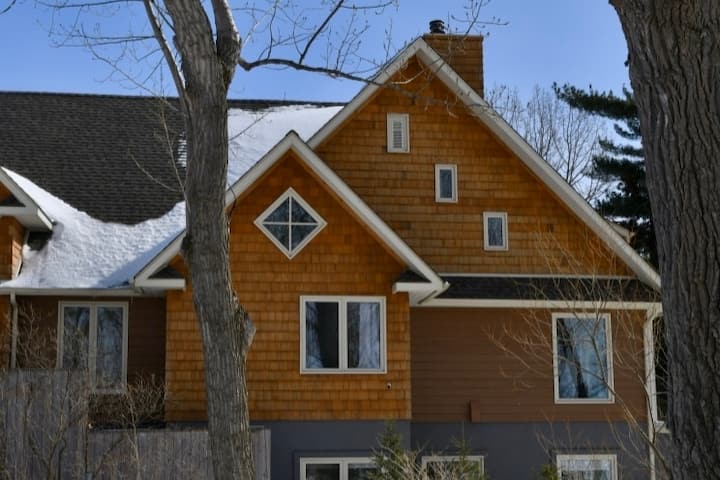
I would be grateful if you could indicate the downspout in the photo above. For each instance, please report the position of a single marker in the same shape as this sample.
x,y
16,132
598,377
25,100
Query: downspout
x,y
15,332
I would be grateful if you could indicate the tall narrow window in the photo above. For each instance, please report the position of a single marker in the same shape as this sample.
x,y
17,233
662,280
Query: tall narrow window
x,y
445,183
495,230
94,336
290,223
342,334
398,133
582,358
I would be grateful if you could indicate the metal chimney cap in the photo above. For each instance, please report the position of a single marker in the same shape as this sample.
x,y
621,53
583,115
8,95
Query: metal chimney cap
x,y
437,26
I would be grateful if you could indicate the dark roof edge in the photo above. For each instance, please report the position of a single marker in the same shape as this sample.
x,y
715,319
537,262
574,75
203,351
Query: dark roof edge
x,y
237,102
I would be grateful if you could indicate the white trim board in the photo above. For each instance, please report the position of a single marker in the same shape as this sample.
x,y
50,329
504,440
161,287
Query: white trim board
x,y
30,214
508,136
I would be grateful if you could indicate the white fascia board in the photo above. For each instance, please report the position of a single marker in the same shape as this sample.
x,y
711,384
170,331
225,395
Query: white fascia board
x,y
537,304
30,215
161,283
160,260
509,137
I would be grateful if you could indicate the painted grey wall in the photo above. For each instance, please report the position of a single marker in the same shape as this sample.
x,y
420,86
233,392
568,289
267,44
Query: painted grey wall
x,y
292,440
519,450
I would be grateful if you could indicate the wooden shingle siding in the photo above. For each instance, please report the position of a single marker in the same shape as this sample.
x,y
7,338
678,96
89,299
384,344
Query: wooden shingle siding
x,y
12,237
488,365
464,53
544,236
343,259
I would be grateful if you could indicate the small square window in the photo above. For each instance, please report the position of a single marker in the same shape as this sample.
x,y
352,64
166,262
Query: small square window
x,y
495,230
342,334
445,183
290,223
582,358
398,133
581,467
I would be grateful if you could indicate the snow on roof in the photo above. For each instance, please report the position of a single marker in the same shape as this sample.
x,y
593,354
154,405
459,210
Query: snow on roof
x,y
84,252
253,133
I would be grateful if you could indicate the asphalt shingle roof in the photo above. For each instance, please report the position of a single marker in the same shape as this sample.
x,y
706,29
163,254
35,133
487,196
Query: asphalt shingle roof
x,y
113,157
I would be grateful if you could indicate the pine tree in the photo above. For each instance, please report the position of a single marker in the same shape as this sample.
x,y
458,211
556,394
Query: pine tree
x,y
621,165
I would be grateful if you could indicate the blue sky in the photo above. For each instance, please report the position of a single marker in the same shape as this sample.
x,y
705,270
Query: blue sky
x,y
573,41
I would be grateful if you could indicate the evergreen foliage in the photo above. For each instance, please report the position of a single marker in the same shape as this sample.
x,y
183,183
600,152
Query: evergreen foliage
x,y
621,165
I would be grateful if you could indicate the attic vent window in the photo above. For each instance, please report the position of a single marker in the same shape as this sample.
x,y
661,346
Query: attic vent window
x,y
290,223
398,133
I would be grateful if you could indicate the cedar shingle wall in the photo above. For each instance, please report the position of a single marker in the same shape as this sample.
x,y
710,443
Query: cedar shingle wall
x,y
343,259
544,237
464,54
12,237
501,362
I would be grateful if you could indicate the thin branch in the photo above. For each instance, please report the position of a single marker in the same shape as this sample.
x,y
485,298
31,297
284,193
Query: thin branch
x,y
319,30
167,53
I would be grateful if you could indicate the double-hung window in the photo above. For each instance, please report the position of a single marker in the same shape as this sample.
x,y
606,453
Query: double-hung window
x,y
587,467
94,336
336,468
342,334
582,351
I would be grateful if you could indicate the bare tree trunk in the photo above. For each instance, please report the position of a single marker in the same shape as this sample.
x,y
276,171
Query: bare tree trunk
x,y
208,62
674,50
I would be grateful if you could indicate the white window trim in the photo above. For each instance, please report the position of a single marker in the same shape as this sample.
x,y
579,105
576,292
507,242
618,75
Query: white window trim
x,y
92,340
453,170
290,193
342,301
589,457
344,463
658,426
453,458
405,119
609,353
486,236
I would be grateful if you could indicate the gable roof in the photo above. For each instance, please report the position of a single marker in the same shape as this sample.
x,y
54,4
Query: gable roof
x,y
292,142
508,136
87,252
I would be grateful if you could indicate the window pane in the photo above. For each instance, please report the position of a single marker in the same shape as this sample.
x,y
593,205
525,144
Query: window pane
x,y
280,214
281,233
300,215
495,232
322,471
363,334
76,332
360,471
582,358
586,469
321,335
109,360
662,374
446,183
300,233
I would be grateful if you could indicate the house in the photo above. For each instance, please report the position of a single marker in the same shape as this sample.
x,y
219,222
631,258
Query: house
x,y
405,257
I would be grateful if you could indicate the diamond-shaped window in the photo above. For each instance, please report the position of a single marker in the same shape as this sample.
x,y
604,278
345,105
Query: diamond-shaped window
x,y
290,223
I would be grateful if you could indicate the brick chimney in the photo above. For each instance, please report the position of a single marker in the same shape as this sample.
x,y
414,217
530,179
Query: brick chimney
x,y
462,52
